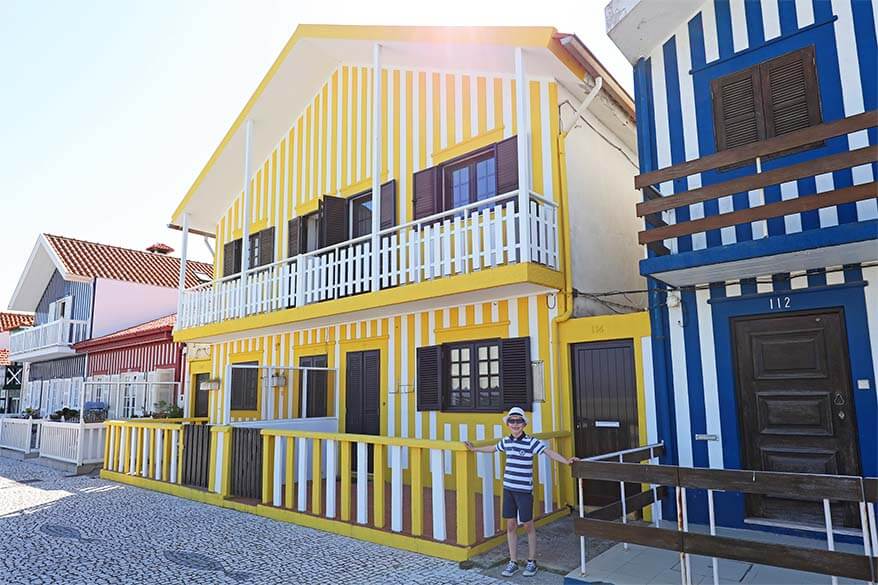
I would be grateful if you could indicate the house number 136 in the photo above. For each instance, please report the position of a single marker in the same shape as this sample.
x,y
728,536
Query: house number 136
x,y
779,302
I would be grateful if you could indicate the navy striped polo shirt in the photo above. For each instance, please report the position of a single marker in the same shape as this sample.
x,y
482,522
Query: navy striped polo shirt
x,y
520,453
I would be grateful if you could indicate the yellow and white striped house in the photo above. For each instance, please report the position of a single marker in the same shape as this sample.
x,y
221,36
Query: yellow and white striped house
x,y
396,260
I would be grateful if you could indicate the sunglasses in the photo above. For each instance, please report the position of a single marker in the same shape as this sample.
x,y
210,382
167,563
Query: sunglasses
x,y
515,421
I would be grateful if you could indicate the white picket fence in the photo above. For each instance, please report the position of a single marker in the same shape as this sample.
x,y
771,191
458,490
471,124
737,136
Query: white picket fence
x,y
463,240
72,442
20,434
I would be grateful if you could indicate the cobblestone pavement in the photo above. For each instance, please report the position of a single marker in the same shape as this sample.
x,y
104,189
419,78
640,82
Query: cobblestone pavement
x,y
85,530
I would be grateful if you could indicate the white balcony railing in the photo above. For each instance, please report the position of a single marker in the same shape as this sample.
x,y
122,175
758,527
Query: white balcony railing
x,y
459,241
58,333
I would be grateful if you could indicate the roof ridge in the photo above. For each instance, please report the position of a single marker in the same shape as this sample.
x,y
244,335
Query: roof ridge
x,y
150,254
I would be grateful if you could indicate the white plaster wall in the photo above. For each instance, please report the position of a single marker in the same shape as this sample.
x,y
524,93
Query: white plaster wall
x,y
603,221
118,305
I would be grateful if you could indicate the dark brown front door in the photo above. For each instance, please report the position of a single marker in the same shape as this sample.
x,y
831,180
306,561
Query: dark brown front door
x,y
604,408
796,408
362,384
201,396
316,405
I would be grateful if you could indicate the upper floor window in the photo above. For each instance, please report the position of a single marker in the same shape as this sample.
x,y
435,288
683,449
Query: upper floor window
x,y
770,99
470,178
261,252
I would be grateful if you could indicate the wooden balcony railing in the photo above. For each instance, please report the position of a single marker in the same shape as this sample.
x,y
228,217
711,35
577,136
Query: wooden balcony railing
x,y
654,203
826,489
58,333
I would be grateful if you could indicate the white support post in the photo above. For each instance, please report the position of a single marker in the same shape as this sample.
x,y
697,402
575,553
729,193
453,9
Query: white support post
x,y
227,396
376,166
304,412
181,280
81,417
245,231
712,518
622,501
523,115
582,544
830,536
174,446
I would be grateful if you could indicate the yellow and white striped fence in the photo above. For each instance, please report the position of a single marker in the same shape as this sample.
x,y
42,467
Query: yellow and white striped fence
x,y
149,448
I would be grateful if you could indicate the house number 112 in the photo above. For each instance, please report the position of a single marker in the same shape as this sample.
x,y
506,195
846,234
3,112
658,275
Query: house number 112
x,y
779,302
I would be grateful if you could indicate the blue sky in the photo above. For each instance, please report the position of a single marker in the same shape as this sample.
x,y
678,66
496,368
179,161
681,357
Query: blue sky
x,y
110,109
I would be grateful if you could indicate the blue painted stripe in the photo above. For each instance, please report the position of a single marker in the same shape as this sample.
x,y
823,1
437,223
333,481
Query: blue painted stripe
x,y
675,131
755,27
724,28
834,236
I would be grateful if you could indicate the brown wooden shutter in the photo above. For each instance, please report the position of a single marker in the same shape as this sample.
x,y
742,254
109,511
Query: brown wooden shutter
x,y
232,257
371,391
507,165
294,237
429,377
791,96
388,205
254,251
333,220
266,246
737,109
426,200
516,373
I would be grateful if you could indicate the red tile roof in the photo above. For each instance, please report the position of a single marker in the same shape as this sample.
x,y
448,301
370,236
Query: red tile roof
x,y
4,357
90,259
12,320
162,324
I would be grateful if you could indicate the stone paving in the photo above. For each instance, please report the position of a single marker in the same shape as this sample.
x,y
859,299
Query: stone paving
x,y
85,530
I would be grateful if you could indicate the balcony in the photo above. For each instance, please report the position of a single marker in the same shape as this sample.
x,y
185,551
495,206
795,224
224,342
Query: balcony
x,y
49,341
464,240
746,212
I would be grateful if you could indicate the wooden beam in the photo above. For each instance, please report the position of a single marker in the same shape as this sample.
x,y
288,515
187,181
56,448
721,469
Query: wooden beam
x,y
798,205
807,486
633,472
654,220
658,248
766,147
842,160
632,503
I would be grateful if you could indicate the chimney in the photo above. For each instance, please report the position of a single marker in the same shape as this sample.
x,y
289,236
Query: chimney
x,y
159,248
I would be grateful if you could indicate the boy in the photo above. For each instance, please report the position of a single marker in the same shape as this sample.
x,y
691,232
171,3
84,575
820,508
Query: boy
x,y
518,496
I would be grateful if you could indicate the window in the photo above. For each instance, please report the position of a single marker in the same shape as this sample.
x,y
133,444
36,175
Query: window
x,y
483,375
311,232
474,376
316,395
232,257
245,384
61,308
473,177
361,215
770,99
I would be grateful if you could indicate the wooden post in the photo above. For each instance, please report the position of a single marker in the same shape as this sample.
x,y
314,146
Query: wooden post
x,y
267,468
378,472
464,469
289,488
316,473
416,466
344,472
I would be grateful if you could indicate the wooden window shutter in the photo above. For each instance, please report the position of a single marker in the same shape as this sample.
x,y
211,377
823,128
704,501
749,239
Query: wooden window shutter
x,y
294,237
266,246
507,165
232,257
245,382
791,96
333,220
737,109
254,251
426,193
516,377
429,377
388,204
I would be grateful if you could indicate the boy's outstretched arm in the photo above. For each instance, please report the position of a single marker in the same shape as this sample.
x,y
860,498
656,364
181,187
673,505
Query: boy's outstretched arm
x,y
559,458
482,449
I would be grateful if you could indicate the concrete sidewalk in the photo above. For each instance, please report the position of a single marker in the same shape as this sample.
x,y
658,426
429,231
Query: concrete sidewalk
x,y
641,565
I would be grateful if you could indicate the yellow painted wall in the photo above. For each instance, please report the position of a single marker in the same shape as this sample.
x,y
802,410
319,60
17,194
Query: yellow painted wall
x,y
428,117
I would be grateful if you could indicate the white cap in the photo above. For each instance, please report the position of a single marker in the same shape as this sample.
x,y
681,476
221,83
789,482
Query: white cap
x,y
513,411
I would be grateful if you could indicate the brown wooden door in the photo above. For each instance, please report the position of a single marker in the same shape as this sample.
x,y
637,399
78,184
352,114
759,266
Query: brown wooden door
x,y
362,396
316,385
201,396
796,408
604,408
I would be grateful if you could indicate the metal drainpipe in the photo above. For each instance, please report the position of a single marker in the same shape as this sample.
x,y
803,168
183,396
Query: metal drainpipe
x,y
567,293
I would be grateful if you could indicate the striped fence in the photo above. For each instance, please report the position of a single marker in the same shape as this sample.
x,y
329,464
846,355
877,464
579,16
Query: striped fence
x,y
395,484
72,442
149,448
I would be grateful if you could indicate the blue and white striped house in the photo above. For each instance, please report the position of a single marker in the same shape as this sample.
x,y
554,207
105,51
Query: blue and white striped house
x,y
756,125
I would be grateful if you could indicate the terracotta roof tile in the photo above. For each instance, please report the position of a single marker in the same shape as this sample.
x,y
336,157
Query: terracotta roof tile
x,y
90,259
167,321
12,320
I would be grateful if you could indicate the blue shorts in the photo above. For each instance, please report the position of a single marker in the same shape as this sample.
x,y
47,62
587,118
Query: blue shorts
x,y
518,504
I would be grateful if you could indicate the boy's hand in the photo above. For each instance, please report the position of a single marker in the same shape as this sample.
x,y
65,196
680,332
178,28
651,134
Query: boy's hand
x,y
571,460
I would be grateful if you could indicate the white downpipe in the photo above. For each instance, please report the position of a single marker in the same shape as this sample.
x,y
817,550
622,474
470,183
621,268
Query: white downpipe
x,y
598,84
376,165
245,228
181,280
523,115
227,396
